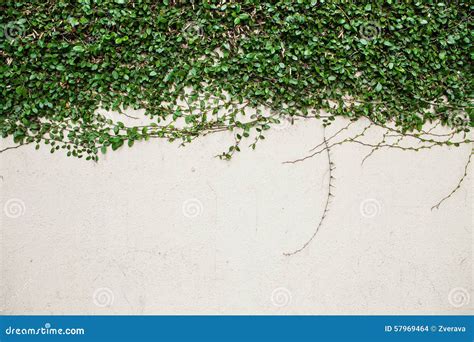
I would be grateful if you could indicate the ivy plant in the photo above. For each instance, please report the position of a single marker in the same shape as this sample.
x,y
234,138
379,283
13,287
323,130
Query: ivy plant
x,y
198,67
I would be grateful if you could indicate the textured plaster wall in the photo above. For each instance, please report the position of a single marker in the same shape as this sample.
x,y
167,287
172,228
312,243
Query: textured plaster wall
x,y
159,229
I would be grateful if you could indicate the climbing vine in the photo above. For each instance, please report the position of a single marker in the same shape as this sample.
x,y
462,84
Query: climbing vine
x,y
198,67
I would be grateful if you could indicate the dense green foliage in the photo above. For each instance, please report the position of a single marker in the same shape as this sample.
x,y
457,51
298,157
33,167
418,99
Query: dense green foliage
x,y
195,66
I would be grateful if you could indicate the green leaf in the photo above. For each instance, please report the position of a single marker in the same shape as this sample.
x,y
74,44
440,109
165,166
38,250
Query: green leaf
x,y
117,144
78,48
21,91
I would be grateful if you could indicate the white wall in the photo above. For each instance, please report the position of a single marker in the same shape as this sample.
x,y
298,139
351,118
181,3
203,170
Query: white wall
x,y
114,237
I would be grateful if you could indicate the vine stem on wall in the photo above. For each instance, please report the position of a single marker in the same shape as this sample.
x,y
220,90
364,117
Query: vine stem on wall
x,y
326,205
466,170
13,147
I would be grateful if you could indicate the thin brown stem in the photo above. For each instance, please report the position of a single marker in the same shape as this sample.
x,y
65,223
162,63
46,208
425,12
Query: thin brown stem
x,y
326,205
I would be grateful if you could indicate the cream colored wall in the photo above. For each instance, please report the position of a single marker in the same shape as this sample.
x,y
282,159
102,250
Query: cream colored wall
x,y
159,229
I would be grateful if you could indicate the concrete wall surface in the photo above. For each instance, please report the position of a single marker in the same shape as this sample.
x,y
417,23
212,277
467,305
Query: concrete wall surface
x,y
163,229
